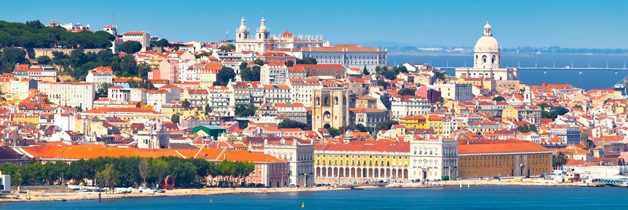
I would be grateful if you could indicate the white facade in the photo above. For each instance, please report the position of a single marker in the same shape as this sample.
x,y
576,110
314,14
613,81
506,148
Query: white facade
x,y
349,55
19,88
408,106
154,136
141,37
258,43
100,76
273,74
486,60
433,159
300,157
302,90
72,94
138,94
117,93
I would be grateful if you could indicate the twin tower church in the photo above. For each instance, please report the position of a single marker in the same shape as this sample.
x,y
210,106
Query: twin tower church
x,y
486,58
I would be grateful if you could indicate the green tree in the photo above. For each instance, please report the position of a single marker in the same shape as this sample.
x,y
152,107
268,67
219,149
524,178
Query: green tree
x,y
130,47
258,62
361,128
406,92
288,123
334,131
11,56
244,111
162,43
175,118
158,170
227,48
103,90
44,60
13,171
224,76
186,104
559,160
365,71
143,170
386,125
108,177
499,98
307,60
289,63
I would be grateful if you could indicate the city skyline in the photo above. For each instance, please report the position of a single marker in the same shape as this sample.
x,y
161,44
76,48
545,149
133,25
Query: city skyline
x,y
431,24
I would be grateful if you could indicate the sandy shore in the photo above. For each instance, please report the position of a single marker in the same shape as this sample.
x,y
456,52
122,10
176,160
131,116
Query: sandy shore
x,y
40,196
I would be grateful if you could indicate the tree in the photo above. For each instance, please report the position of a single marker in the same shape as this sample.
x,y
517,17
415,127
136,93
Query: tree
x,y
386,125
559,160
361,128
365,71
14,171
103,90
130,47
249,74
186,104
227,48
499,98
207,109
108,177
224,76
577,106
288,123
162,43
406,92
143,170
307,60
289,63
11,56
333,131
158,169
258,62
175,118
44,60
389,74
244,111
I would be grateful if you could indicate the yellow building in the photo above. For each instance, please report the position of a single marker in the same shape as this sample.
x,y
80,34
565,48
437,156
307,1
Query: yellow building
x,y
361,161
24,118
503,159
414,122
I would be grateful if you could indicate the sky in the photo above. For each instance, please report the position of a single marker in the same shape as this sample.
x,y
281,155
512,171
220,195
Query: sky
x,y
534,23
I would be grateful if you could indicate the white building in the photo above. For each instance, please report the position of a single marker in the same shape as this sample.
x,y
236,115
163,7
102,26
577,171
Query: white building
x,y
154,136
402,106
273,74
263,41
72,94
5,182
100,76
486,60
303,89
118,93
349,55
138,36
221,100
19,88
300,156
258,43
138,95
432,158
456,91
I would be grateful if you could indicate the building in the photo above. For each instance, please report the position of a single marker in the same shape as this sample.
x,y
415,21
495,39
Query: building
x,y
138,36
349,55
100,75
153,136
5,182
302,90
72,94
456,91
402,106
117,93
273,74
502,158
361,161
293,111
35,72
331,107
368,117
331,70
432,158
262,42
299,154
486,60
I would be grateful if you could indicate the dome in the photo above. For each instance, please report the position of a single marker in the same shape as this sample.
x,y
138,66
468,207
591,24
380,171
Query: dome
x,y
486,44
262,27
242,28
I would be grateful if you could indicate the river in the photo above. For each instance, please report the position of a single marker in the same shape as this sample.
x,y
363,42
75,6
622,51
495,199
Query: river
x,y
475,197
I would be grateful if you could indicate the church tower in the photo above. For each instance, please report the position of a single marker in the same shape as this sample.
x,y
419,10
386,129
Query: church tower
x,y
242,33
262,32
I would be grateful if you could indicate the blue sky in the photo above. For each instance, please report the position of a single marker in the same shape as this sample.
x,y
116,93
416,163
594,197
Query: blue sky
x,y
579,24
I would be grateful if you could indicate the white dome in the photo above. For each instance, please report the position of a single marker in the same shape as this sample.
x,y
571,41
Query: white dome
x,y
262,27
242,28
486,44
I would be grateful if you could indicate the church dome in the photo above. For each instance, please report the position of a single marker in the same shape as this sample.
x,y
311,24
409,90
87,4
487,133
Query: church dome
x,y
242,28
487,43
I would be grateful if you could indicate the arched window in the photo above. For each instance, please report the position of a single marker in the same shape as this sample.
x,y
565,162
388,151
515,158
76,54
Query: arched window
x,y
326,101
318,101
484,59
493,59
336,100
476,58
